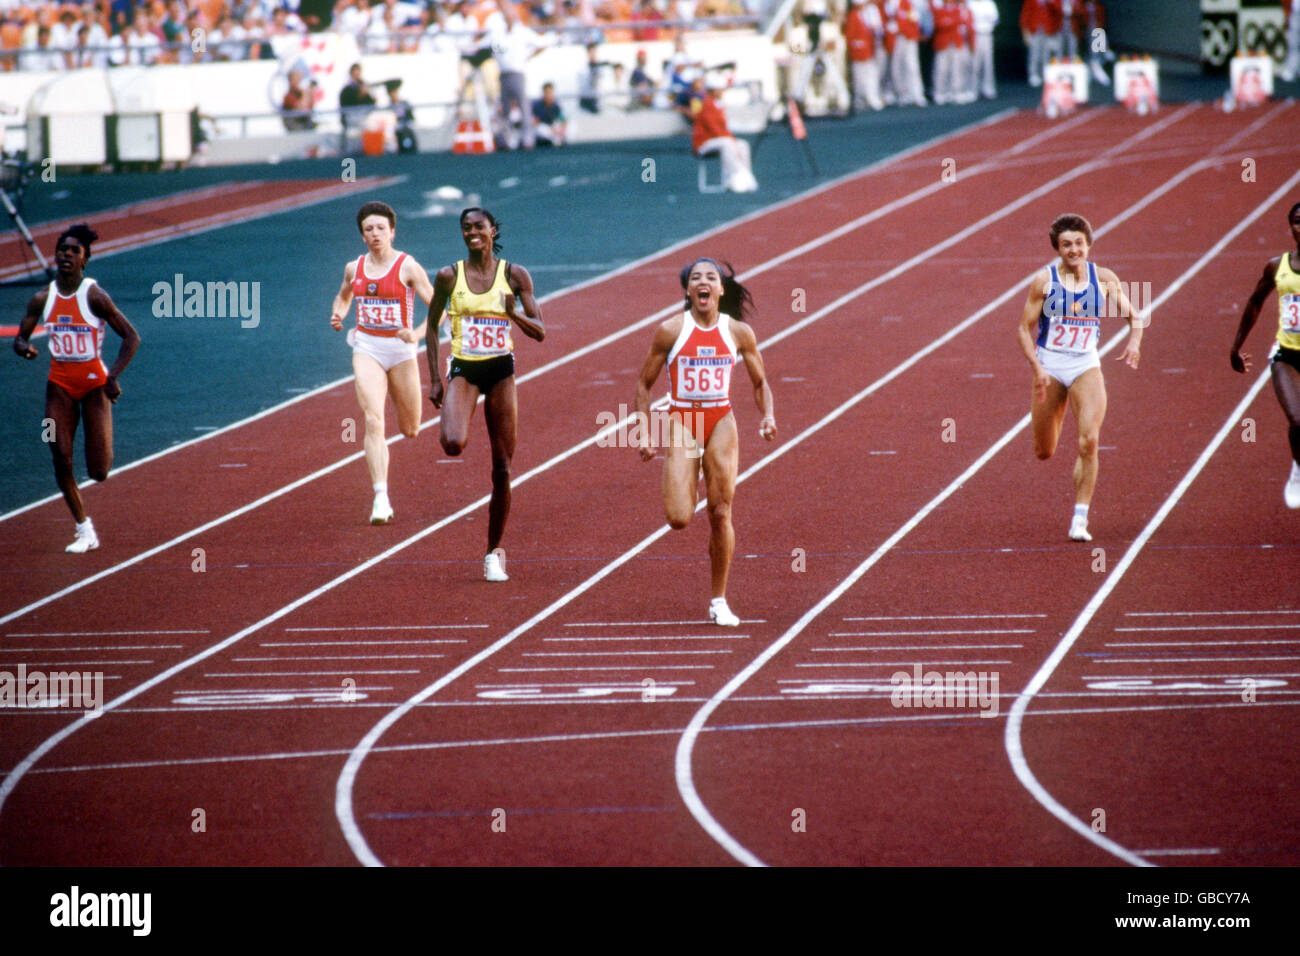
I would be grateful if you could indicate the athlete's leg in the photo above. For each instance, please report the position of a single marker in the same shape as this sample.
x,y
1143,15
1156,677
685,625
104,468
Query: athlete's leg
x,y
1046,416
501,411
1088,400
64,412
721,462
681,472
404,386
457,410
372,393
1286,384
97,413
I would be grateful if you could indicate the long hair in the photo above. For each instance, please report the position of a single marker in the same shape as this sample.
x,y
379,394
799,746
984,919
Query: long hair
x,y
736,300
82,233
496,226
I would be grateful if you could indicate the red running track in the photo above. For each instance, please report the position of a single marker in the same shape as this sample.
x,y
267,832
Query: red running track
x,y
327,692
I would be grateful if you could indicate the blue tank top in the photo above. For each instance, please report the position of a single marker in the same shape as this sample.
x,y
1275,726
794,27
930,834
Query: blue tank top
x,y
1070,321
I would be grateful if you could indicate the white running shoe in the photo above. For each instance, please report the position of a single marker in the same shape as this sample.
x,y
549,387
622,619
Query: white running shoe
x,y
1079,530
493,569
1291,493
382,512
721,615
86,539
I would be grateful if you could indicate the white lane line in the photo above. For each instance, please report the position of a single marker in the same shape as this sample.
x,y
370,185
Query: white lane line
x,y
1216,627
685,747
1193,643
100,633
43,664
339,657
956,663
583,683
895,648
347,673
646,637
431,640
927,633
1011,739
826,723
939,617
624,653
1207,613
1187,660
1215,676
590,347
1205,851
69,650
389,627
694,623
630,667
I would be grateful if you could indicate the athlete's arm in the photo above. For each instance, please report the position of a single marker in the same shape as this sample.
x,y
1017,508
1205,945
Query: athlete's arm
x,y
521,283
102,305
1027,330
414,276
443,283
1241,360
747,344
662,344
344,298
22,343
1136,323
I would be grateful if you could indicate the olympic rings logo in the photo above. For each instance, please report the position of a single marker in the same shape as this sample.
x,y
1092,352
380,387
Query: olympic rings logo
x,y
1264,37
1218,41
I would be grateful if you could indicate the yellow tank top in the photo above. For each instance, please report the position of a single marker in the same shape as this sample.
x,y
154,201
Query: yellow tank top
x,y
1287,281
480,325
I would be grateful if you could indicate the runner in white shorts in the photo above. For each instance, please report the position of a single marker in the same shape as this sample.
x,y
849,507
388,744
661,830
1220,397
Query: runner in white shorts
x,y
1058,334
384,283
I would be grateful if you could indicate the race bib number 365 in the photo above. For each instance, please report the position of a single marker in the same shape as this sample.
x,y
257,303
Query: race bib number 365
x,y
486,335
1291,313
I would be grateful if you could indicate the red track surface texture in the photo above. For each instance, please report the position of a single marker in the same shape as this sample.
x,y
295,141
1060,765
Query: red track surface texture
x,y
326,692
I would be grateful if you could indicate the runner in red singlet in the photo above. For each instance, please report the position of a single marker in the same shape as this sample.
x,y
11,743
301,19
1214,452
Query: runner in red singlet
x,y
75,311
384,344
700,348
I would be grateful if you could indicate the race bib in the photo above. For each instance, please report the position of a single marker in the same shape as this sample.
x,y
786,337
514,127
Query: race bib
x,y
1073,335
703,379
485,336
379,315
71,343
1291,313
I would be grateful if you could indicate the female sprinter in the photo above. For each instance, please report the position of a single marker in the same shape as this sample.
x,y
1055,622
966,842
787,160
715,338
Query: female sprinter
x,y
700,348
384,344
75,311
1283,274
1058,334
482,357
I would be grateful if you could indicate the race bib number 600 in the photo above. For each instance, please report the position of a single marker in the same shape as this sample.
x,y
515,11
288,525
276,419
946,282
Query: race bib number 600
x,y
72,343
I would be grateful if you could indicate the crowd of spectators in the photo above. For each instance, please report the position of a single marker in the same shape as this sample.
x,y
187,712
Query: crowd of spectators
x,y
50,35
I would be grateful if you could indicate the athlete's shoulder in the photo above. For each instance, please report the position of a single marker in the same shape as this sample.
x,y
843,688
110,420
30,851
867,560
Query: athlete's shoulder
x,y
741,331
671,327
